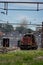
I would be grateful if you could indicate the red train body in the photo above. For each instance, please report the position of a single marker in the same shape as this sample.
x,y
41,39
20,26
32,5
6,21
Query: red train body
x,y
27,42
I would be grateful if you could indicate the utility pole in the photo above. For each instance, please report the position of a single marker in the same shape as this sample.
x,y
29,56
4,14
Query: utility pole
x,y
6,7
42,36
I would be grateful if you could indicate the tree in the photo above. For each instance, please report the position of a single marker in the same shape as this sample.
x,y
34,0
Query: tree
x,y
0,26
30,30
24,23
7,27
23,27
20,29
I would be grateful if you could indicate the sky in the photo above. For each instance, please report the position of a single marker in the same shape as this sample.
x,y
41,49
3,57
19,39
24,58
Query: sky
x,y
17,16
22,0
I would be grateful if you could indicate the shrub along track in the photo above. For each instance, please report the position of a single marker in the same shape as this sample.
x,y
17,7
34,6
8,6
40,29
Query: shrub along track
x,y
25,57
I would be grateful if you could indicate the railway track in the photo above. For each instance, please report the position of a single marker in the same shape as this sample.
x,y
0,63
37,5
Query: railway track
x,y
6,49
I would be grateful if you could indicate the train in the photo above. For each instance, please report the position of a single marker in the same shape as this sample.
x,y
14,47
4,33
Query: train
x,y
27,42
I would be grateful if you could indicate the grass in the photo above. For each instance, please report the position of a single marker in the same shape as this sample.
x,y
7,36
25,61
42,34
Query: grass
x,y
22,58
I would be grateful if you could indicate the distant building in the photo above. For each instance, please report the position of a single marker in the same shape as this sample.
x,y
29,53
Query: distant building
x,y
38,28
11,38
38,36
1,33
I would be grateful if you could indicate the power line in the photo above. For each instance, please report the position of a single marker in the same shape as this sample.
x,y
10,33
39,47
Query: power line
x,y
21,2
23,9
6,6
20,9
23,24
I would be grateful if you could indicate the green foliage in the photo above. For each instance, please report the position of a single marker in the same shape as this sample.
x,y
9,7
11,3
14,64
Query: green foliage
x,y
22,58
22,29
6,27
30,30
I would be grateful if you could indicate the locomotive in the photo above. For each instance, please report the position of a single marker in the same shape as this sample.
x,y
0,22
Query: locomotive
x,y
27,42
